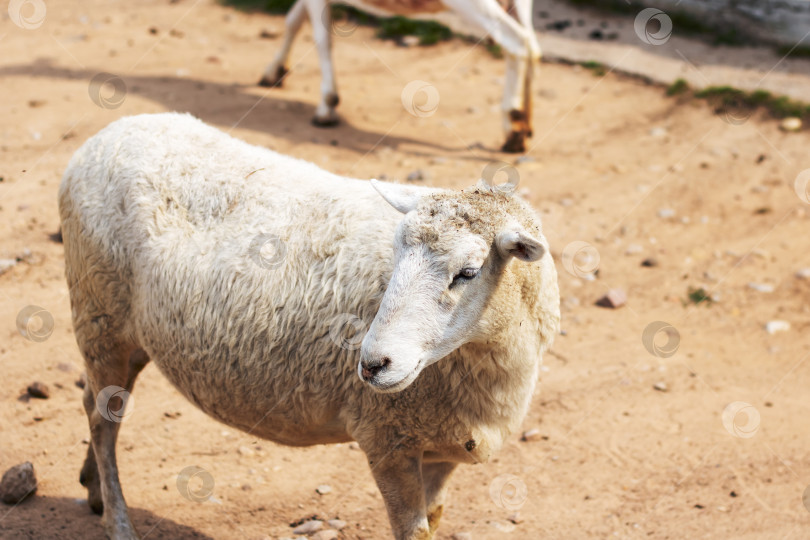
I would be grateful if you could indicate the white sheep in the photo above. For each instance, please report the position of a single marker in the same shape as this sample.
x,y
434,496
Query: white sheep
x,y
167,224
507,22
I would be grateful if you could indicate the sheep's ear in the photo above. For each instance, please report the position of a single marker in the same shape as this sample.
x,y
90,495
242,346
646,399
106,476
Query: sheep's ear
x,y
516,242
403,198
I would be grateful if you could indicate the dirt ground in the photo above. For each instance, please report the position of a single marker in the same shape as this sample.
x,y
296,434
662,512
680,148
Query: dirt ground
x,y
614,163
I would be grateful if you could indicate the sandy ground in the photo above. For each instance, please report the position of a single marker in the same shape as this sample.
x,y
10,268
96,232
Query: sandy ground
x,y
614,163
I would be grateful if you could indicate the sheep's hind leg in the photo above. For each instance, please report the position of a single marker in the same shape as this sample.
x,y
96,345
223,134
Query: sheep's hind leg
x,y
108,365
277,70
434,477
89,477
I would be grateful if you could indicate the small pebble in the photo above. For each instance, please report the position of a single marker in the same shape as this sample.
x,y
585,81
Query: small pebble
x,y
18,483
336,524
462,536
661,387
67,367
245,451
803,273
615,298
6,265
791,124
515,518
39,390
633,249
773,327
326,534
416,176
761,287
323,489
665,213
309,527
503,526
530,435
650,262
410,41
658,132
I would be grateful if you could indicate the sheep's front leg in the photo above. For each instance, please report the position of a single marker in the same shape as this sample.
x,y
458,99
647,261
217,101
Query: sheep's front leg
x,y
277,70
434,477
321,17
399,477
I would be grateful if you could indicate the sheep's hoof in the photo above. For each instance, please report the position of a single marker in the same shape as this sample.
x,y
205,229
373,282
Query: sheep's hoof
x,y
515,143
276,80
325,122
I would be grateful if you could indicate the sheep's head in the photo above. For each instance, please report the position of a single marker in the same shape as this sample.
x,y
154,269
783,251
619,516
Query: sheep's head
x,y
452,281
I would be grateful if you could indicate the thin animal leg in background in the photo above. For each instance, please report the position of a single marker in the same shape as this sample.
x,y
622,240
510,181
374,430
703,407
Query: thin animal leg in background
x,y
320,15
523,10
277,69
516,41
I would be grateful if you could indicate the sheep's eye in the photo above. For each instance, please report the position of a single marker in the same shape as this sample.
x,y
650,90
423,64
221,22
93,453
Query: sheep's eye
x,y
466,274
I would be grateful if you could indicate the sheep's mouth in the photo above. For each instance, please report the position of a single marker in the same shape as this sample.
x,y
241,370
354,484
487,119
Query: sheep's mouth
x,y
398,386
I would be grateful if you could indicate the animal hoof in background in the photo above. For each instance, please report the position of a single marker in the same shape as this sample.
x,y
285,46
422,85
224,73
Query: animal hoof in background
x,y
275,80
325,121
515,143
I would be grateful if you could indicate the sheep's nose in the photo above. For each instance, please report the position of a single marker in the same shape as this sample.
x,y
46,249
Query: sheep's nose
x,y
370,369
